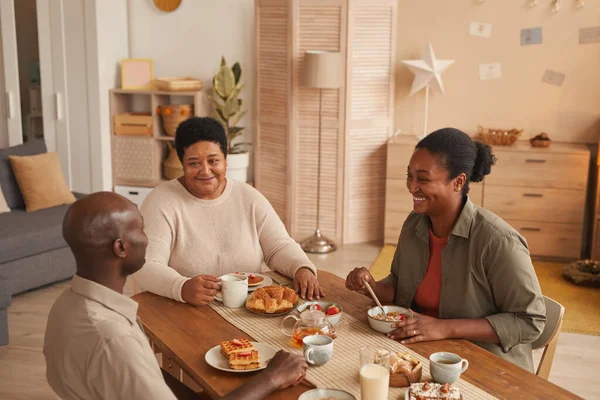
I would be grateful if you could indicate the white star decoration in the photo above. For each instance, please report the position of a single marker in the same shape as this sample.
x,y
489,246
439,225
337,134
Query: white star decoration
x,y
427,69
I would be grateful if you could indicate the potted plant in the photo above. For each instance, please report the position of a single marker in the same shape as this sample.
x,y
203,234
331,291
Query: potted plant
x,y
228,111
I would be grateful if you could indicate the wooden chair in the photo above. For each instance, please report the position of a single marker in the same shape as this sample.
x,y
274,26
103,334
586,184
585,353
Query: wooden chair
x,y
549,337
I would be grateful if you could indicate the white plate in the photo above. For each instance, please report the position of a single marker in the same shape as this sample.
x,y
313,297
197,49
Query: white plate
x,y
215,358
267,282
407,396
318,394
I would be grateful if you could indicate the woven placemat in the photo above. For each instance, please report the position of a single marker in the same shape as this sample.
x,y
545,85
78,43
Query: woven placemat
x,y
342,371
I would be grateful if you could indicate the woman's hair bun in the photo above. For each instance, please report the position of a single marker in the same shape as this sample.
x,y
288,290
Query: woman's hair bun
x,y
483,162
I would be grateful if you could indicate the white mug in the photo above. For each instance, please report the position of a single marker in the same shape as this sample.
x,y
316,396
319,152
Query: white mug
x,y
446,367
234,290
318,349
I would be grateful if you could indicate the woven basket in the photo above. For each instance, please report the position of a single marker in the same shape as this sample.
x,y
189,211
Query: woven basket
x,y
498,137
178,83
540,143
173,115
404,380
173,167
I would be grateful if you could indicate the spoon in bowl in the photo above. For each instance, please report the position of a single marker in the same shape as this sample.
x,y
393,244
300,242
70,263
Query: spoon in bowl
x,y
375,297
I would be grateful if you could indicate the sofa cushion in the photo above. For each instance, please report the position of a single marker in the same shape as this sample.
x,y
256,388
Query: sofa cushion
x,y
8,183
41,181
24,234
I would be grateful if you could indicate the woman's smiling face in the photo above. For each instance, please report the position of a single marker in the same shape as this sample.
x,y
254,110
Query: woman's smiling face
x,y
429,183
205,167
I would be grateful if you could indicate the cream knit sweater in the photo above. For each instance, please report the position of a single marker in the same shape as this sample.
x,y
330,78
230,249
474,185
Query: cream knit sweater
x,y
187,236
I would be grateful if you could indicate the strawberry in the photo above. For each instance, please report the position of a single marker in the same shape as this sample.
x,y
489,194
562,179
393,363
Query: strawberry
x,y
252,276
332,310
402,317
244,354
316,307
237,342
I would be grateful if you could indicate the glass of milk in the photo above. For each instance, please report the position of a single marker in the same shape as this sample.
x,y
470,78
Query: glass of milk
x,y
374,373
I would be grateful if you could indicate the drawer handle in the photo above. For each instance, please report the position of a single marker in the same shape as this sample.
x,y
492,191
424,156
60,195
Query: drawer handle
x,y
525,228
532,160
533,195
134,193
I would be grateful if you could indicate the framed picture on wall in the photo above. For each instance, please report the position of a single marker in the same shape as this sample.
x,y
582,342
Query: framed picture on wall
x,y
137,73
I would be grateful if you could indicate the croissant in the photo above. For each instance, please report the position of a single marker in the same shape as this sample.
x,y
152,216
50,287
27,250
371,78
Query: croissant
x,y
272,299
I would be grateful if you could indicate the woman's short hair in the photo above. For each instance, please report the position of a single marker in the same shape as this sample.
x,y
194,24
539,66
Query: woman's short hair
x,y
459,154
198,129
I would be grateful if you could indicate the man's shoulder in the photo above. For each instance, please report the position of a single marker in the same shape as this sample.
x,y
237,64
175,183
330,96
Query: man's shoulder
x,y
76,315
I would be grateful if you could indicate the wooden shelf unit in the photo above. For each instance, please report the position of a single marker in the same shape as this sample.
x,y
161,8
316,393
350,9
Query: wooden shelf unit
x,y
137,160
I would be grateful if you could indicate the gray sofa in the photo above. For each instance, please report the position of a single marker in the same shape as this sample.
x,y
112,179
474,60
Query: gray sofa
x,y
32,250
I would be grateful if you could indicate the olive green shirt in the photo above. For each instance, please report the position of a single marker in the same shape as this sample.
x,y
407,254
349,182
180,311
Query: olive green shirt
x,y
486,273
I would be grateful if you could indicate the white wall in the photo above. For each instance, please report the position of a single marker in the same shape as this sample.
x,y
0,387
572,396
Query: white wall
x,y
520,99
190,41
107,45
76,97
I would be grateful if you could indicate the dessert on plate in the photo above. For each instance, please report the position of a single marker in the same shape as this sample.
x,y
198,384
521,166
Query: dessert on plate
x,y
433,391
255,280
272,300
241,354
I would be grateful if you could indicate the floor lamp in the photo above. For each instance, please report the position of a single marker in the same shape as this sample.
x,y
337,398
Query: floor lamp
x,y
322,71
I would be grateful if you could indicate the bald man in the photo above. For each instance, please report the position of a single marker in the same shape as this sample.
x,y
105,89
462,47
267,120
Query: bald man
x,y
94,346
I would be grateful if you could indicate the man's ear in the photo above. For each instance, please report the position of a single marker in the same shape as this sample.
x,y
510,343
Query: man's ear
x,y
119,248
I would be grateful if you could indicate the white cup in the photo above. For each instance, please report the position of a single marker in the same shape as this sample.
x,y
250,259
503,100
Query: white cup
x,y
446,367
318,349
234,290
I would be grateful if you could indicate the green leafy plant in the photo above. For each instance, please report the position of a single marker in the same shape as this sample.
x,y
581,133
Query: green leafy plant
x,y
228,107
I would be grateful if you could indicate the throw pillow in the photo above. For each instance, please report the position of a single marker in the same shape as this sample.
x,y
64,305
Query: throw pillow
x,y
41,181
3,206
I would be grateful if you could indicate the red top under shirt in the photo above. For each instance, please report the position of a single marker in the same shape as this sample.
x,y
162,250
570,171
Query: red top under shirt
x,y
427,297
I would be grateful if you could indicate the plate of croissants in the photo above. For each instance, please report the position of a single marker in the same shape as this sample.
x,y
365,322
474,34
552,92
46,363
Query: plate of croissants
x,y
272,300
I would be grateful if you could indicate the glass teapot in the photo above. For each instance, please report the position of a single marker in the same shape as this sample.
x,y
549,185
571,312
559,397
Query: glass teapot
x,y
310,322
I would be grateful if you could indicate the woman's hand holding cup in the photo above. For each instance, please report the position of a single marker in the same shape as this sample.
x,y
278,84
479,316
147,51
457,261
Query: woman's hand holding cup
x,y
200,290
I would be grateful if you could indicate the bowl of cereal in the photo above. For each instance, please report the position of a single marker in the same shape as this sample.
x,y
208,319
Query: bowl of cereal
x,y
394,314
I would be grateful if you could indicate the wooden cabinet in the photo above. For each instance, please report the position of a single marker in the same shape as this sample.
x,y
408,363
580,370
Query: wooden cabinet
x,y
357,119
540,192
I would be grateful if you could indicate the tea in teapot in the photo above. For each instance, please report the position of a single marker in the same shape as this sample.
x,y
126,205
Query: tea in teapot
x,y
311,322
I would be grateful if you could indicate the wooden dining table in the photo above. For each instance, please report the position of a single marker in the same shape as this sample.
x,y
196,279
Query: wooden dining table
x,y
184,333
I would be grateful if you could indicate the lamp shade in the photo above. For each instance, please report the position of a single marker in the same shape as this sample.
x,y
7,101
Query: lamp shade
x,y
322,69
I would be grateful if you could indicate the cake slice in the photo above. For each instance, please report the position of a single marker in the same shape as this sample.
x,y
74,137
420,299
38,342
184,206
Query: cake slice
x,y
236,346
433,391
244,360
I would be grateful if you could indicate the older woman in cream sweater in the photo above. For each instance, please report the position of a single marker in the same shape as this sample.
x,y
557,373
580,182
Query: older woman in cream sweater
x,y
203,225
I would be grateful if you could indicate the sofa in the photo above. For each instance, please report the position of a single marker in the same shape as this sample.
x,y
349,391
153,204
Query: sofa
x,y
33,252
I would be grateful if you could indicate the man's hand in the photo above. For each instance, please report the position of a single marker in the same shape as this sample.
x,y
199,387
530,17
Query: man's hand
x,y
420,328
307,285
200,290
354,280
286,369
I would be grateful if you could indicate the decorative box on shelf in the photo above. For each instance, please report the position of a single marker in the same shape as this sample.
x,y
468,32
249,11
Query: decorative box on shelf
x,y
133,123
178,83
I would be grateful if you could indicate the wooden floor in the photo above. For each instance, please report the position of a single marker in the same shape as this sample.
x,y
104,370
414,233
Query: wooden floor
x,y
22,367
